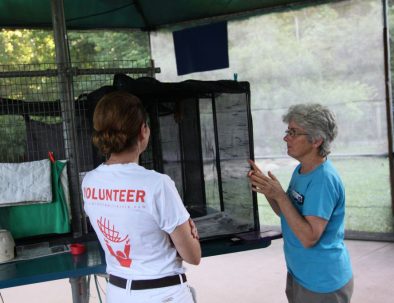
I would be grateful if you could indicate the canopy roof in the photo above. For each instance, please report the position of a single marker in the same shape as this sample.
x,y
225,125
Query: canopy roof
x,y
130,14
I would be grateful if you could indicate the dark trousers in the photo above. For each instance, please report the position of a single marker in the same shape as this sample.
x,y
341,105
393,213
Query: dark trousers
x,y
298,294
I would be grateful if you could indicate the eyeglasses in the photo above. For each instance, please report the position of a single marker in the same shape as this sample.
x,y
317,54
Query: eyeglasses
x,y
292,132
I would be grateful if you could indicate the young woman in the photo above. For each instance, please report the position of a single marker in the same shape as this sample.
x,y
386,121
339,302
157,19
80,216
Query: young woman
x,y
136,213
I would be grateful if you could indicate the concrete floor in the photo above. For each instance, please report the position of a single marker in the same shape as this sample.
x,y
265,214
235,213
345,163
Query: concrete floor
x,y
247,277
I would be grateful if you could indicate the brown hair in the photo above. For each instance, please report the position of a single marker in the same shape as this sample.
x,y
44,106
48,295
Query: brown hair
x,y
117,121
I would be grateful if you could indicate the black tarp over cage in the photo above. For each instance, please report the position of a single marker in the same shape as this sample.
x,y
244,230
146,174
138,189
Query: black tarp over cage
x,y
202,138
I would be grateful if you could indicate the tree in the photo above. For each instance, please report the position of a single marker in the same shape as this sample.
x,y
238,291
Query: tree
x,y
34,50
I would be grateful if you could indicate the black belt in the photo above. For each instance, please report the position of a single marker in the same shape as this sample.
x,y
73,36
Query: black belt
x,y
147,284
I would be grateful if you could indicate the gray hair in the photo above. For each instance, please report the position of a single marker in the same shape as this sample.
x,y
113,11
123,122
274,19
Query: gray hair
x,y
317,120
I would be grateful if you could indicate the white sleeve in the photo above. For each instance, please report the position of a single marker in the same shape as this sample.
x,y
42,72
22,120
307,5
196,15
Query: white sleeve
x,y
168,208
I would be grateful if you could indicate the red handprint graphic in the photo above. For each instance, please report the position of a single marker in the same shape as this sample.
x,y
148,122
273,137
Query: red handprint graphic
x,y
112,235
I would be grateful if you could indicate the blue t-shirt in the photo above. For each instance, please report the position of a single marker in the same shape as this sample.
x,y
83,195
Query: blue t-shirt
x,y
326,266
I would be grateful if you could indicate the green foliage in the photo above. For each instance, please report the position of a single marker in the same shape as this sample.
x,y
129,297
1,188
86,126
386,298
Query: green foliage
x,y
13,138
24,46
109,46
33,50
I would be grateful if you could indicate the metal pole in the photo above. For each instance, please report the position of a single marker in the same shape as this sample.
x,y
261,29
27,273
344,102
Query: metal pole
x,y
217,152
389,108
80,289
67,104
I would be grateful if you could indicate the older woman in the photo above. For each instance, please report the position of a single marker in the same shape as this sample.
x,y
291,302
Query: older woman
x,y
312,211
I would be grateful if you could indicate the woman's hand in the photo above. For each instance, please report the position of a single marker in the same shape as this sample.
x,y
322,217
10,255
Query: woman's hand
x,y
269,185
194,230
186,243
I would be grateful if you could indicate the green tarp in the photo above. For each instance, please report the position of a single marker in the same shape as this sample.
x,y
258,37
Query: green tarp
x,y
39,219
136,14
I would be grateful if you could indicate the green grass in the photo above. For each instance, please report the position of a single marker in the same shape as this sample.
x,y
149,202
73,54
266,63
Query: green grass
x,y
367,185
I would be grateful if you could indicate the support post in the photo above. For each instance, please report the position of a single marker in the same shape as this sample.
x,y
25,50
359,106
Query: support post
x,y
67,103
80,289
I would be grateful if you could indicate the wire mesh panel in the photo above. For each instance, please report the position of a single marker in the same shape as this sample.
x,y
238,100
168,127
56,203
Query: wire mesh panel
x,y
28,100
35,119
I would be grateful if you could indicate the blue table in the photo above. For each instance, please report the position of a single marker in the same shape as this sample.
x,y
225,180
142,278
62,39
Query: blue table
x,y
57,266
78,268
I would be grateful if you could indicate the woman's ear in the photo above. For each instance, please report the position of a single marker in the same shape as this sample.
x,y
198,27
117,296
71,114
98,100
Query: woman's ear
x,y
317,143
144,131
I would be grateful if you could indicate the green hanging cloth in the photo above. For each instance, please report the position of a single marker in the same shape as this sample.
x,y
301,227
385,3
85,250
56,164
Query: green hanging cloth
x,y
39,219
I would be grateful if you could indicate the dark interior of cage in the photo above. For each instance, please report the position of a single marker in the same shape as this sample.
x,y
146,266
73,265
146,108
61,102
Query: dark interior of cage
x,y
201,136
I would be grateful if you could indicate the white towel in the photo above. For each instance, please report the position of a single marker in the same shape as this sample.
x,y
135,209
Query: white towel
x,y
25,183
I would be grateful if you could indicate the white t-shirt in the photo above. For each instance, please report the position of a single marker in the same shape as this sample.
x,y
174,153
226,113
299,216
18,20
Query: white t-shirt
x,y
133,210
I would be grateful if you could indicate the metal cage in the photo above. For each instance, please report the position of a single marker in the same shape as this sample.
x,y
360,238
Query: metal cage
x,y
43,109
